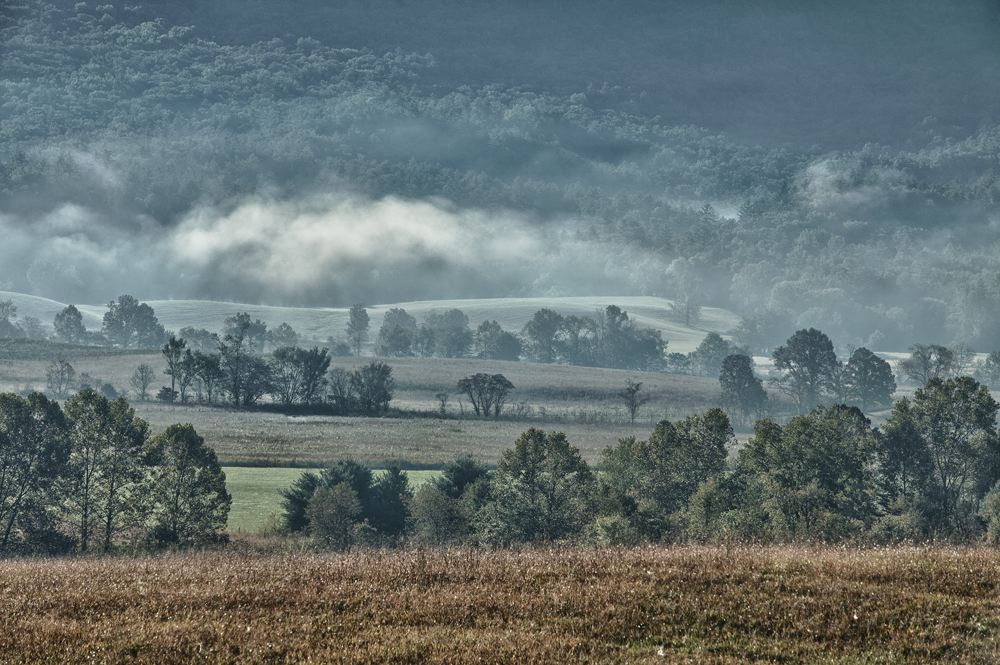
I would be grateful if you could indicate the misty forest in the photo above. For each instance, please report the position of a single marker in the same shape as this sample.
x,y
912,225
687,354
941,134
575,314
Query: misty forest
x,y
303,303
832,167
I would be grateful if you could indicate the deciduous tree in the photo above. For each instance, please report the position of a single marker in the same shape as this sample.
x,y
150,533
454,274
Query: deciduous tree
x,y
927,361
357,326
141,379
68,325
131,324
809,367
34,448
192,504
630,398
488,393
107,490
868,379
743,393
540,490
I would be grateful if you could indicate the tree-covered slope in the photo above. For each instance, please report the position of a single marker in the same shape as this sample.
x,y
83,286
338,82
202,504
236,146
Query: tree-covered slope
x,y
286,155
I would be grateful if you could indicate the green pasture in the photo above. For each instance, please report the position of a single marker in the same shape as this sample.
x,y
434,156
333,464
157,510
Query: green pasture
x,y
256,492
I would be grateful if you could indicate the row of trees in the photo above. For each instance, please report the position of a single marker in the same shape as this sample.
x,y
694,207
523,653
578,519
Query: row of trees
x,y
89,476
240,373
608,338
808,372
931,473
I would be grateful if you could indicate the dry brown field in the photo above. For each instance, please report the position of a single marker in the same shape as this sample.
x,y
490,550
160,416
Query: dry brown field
x,y
646,605
579,401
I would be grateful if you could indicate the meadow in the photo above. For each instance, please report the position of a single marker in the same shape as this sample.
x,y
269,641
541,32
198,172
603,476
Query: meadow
x,y
653,604
580,401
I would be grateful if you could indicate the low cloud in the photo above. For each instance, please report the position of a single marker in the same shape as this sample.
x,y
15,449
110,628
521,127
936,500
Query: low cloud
x,y
325,250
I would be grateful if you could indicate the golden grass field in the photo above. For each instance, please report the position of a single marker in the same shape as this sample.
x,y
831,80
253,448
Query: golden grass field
x,y
646,605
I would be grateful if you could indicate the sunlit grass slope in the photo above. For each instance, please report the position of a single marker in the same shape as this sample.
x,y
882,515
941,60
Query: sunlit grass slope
x,y
321,323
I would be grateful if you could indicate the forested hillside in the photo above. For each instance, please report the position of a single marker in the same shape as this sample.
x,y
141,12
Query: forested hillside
x,y
832,168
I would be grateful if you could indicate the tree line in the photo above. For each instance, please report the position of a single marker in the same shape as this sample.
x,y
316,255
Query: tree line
x,y
90,477
930,473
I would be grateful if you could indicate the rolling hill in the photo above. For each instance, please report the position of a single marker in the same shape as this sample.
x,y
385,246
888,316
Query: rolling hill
x,y
318,324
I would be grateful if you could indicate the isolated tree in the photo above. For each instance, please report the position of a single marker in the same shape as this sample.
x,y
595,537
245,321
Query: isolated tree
x,y
927,361
357,326
541,332
107,490
631,399
540,490
189,489
373,387
488,393
68,325
141,379
131,324
34,447
809,366
743,393
868,379
59,378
